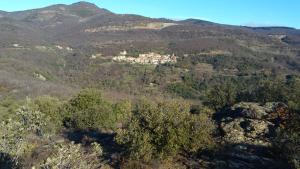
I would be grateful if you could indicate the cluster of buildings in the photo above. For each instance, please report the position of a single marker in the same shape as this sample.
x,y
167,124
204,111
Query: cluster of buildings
x,y
148,58
280,37
39,76
63,48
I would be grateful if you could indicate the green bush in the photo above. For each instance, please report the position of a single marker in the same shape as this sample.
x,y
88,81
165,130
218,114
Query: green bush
x,y
86,99
221,95
122,111
88,110
14,133
160,130
287,143
71,156
51,107
293,97
95,117
8,107
182,90
262,89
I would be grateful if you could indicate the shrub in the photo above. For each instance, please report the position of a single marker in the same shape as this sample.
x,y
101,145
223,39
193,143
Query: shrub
x,y
8,107
270,90
12,145
88,110
97,148
182,90
86,99
221,95
293,97
287,142
69,156
254,89
122,111
14,132
160,130
94,118
51,107
33,121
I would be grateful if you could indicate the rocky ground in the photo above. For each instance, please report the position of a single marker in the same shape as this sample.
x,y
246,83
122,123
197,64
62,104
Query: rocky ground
x,y
248,130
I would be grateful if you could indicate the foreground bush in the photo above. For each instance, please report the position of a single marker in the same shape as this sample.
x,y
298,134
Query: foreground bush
x,y
14,133
222,95
160,130
51,107
88,110
72,156
287,142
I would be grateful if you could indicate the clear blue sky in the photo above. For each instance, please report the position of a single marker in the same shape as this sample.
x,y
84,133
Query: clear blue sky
x,y
236,12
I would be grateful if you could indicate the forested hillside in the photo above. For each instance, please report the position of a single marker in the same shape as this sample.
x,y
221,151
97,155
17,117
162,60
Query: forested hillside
x,y
84,88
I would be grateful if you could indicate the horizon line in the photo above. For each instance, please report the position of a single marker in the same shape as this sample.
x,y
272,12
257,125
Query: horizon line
x,y
250,24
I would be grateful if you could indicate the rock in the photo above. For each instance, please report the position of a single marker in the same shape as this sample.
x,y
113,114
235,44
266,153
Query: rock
x,y
248,129
250,110
252,123
246,157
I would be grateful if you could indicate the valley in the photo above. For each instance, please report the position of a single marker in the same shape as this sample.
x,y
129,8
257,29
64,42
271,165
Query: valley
x,y
126,91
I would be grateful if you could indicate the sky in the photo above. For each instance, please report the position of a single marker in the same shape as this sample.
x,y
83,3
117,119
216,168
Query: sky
x,y
234,12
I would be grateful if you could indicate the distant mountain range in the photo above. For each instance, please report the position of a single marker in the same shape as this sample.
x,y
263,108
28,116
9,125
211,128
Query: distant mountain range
x,y
71,22
59,40
170,94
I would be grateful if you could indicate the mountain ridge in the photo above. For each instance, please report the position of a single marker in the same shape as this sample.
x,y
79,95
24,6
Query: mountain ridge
x,y
92,6
74,19
60,41
138,92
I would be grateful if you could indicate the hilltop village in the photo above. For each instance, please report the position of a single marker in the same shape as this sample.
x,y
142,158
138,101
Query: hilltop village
x,y
147,58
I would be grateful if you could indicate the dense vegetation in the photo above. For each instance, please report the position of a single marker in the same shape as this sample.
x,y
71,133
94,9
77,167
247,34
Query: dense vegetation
x,y
145,130
287,142
160,130
89,110
258,89
65,104
177,120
